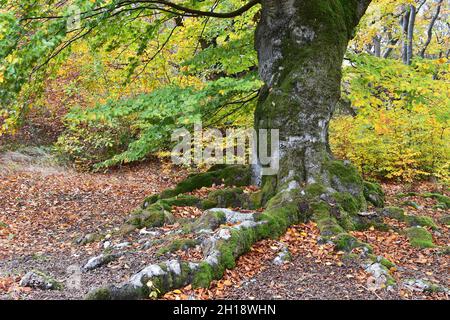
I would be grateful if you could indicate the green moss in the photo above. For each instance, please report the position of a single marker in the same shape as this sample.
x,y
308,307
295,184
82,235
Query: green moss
x,y
422,221
217,167
152,218
178,244
327,224
210,220
390,281
364,223
268,189
150,200
412,204
179,201
419,237
99,294
159,213
329,227
394,213
382,260
374,194
443,200
203,276
207,204
346,242
227,198
349,203
255,200
55,285
279,219
347,221
350,257
155,215
432,287
168,193
439,197
235,175
441,206
170,280
388,264
320,210
314,190
344,172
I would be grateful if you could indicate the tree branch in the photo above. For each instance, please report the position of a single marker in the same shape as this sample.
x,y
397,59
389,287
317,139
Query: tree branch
x,y
181,10
430,29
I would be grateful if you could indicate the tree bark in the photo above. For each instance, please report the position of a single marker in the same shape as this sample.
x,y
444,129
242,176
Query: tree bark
x,y
377,46
301,46
391,43
411,24
405,25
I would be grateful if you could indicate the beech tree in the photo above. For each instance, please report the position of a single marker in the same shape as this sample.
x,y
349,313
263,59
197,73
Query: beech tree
x,y
300,46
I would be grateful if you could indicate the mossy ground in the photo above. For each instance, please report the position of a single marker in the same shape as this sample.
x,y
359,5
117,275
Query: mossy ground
x,y
178,244
419,237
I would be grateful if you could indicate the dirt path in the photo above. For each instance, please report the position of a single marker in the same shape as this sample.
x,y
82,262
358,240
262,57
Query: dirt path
x,y
304,279
45,208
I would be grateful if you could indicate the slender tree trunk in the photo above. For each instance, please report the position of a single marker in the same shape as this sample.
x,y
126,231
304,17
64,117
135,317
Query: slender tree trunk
x,y
411,24
405,25
430,29
301,46
377,46
391,43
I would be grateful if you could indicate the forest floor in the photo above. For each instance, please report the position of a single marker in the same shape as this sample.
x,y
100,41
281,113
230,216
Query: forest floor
x,y
45,208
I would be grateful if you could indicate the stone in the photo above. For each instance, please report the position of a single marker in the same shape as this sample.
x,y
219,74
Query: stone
x,y
89,238
234,216
122,245
423,285
39,280
106,244
283,256
144,231
99,260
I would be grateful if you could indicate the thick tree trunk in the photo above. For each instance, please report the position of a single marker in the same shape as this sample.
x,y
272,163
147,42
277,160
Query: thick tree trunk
x,y
301,46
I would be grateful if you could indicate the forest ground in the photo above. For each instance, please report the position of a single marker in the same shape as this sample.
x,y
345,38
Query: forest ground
x,y
44,208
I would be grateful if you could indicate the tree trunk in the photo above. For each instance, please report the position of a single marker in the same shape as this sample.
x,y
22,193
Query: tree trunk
x,y
377,46
405,25
391,43
301,46
430,29
411,24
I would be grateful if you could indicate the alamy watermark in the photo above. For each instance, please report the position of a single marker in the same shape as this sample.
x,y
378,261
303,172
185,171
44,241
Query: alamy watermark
x,y
234,146
73,280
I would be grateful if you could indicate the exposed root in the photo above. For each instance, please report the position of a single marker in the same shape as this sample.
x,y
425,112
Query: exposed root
x,y
227,234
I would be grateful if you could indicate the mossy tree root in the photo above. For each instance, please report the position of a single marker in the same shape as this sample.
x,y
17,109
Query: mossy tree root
x,y
225,244
233,175
155,210
221,250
